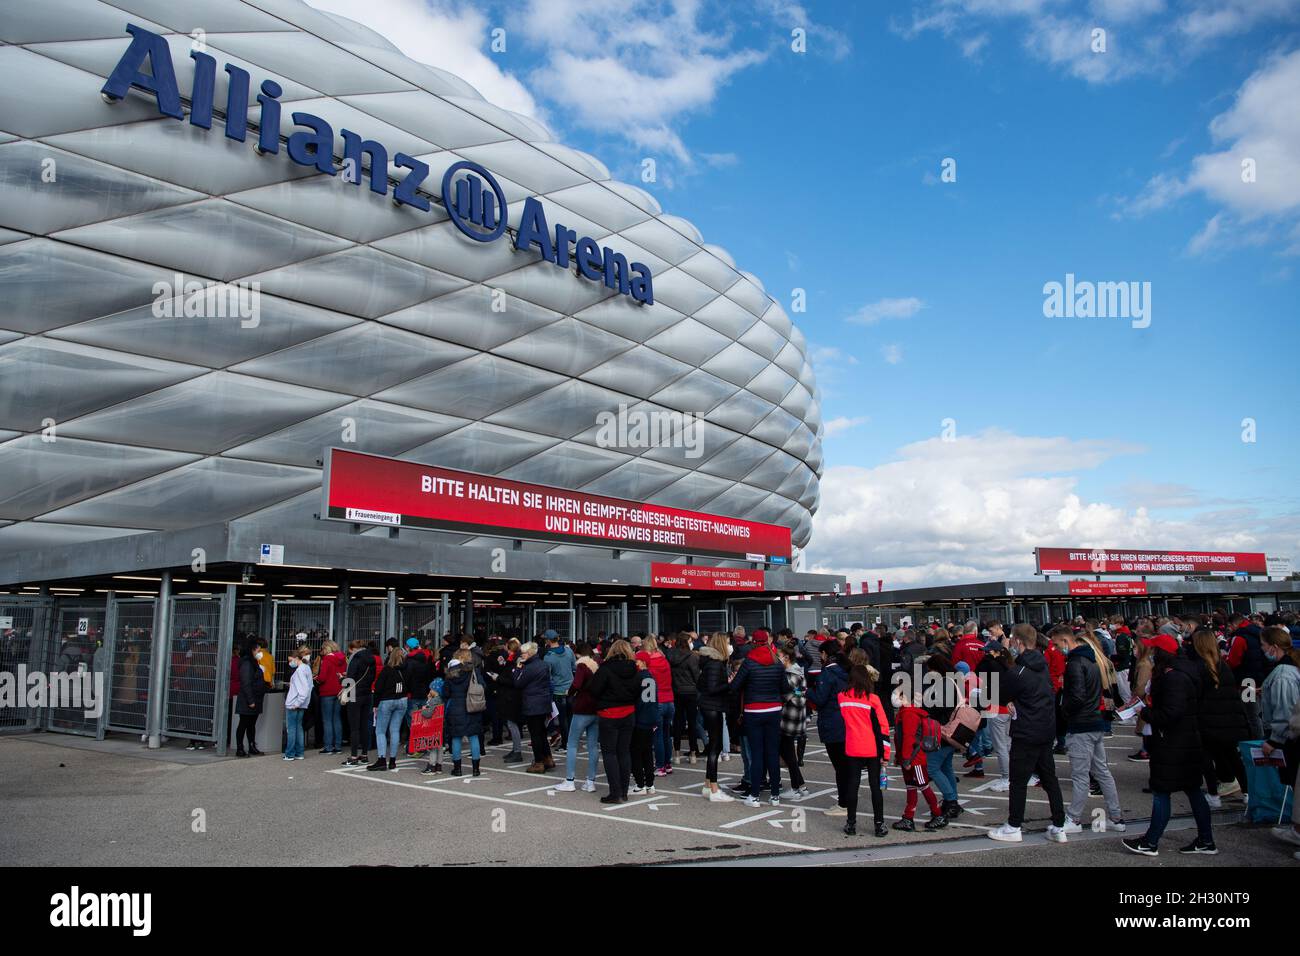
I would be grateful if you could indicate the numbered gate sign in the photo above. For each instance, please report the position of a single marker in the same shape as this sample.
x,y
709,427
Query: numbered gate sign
x,y
83,626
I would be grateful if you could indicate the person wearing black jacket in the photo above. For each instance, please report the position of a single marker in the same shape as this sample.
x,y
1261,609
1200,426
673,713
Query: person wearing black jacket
x,y
1085,731
417,674
685,667
942,692
1028,688
252,690
712,701
361,672
498,668
458,722
759,685
1222,717
615,688
532,679
1175,747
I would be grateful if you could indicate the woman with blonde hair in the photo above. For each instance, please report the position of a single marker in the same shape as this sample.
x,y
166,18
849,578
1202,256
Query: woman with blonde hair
x,y
390,708
615,688
712,703
1223,721
1139,684
330,667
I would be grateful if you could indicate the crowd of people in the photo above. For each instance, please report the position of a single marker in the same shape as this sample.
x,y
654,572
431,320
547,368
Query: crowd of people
x,y
1192,689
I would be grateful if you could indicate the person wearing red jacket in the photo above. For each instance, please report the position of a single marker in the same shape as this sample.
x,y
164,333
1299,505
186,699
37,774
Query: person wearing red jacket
x,y
329,675
866,744
662,672
1056,671
969,647
914,721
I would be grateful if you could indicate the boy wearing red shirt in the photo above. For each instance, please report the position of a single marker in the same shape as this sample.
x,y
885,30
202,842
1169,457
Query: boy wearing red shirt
x,y
912,718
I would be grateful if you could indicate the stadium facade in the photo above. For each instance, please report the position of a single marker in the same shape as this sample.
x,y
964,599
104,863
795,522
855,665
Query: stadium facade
x,y
235,234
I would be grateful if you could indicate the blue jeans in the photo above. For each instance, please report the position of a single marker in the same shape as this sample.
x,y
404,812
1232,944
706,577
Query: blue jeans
x,y
293,732
979,747
588,724
763,741
939,763
388,726
331,722
664,739
1161,809
474,753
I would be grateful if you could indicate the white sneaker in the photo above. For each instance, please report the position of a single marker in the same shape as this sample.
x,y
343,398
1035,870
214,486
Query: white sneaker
x,y
1006,834
1216,803
1033,781
836,811
1286,834
726,755
589,786
650,791
1118,826
566,786
800,794
1001,785
775,801
717,796
1229,788
1057,834
752,801
635,790
1071,826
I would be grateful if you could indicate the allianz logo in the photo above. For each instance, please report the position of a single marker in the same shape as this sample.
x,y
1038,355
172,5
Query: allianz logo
x,y
471,195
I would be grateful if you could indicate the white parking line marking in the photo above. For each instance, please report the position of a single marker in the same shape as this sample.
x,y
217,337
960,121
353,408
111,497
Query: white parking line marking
x,y
757,816
552,808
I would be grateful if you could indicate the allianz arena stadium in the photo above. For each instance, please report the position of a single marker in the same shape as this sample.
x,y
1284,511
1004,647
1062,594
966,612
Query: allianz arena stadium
x,y
141,438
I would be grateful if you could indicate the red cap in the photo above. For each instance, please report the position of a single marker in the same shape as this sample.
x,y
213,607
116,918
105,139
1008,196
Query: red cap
x,y
760,636
1164,642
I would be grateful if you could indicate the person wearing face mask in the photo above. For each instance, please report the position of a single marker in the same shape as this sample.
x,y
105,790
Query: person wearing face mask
x,y
296,701
252,689
1279,698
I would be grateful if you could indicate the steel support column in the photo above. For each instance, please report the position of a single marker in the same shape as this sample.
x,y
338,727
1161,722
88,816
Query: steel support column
x,y
158,656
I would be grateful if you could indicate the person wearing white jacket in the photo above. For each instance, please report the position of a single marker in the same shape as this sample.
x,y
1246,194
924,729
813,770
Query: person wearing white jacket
x,y
296,701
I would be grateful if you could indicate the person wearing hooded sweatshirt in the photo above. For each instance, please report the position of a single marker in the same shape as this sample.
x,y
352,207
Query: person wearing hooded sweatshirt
x,y
1027,687
1085,730
615,688
296,700
584,722
662,672
830,723
1248,661
645,727
1175,748
712,701
560,662
758,685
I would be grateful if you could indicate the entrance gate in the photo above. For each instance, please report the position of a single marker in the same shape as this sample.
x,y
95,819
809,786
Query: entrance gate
x,y
595,620
73,650
190,699
708,621
24,624
560,621
131,640
314,619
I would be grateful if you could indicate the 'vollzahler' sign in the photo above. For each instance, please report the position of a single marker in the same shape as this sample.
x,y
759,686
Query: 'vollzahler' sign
x,y
475,201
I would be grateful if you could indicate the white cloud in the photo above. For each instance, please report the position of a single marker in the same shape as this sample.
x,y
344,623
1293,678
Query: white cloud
x,y
822,356
975,508
893,354
873,312
838,426
1259,132
1142,36
444,36
821,38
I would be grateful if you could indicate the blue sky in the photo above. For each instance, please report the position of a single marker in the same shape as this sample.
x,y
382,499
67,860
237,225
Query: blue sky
x,y
821,171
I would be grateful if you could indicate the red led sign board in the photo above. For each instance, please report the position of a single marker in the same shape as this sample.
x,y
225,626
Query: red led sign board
x,y
370,489
1100,561
1108,588
689,577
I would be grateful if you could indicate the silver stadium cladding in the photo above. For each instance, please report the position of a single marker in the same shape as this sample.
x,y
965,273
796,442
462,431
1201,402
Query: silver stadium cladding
x,y
371,315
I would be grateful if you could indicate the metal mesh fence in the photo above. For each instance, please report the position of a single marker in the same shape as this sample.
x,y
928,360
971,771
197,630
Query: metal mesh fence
x,y
128,685
561,622
192,669
299,622
22,627
421,621
72,658
752,618
595,620
366,621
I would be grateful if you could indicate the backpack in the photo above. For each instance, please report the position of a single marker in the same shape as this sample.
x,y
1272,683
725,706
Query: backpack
x,y
1123,650
475,696
929,737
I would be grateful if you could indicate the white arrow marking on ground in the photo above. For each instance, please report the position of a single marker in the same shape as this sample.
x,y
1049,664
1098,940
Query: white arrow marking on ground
x,y
656,806
780,824
757,816
983,786
978,811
